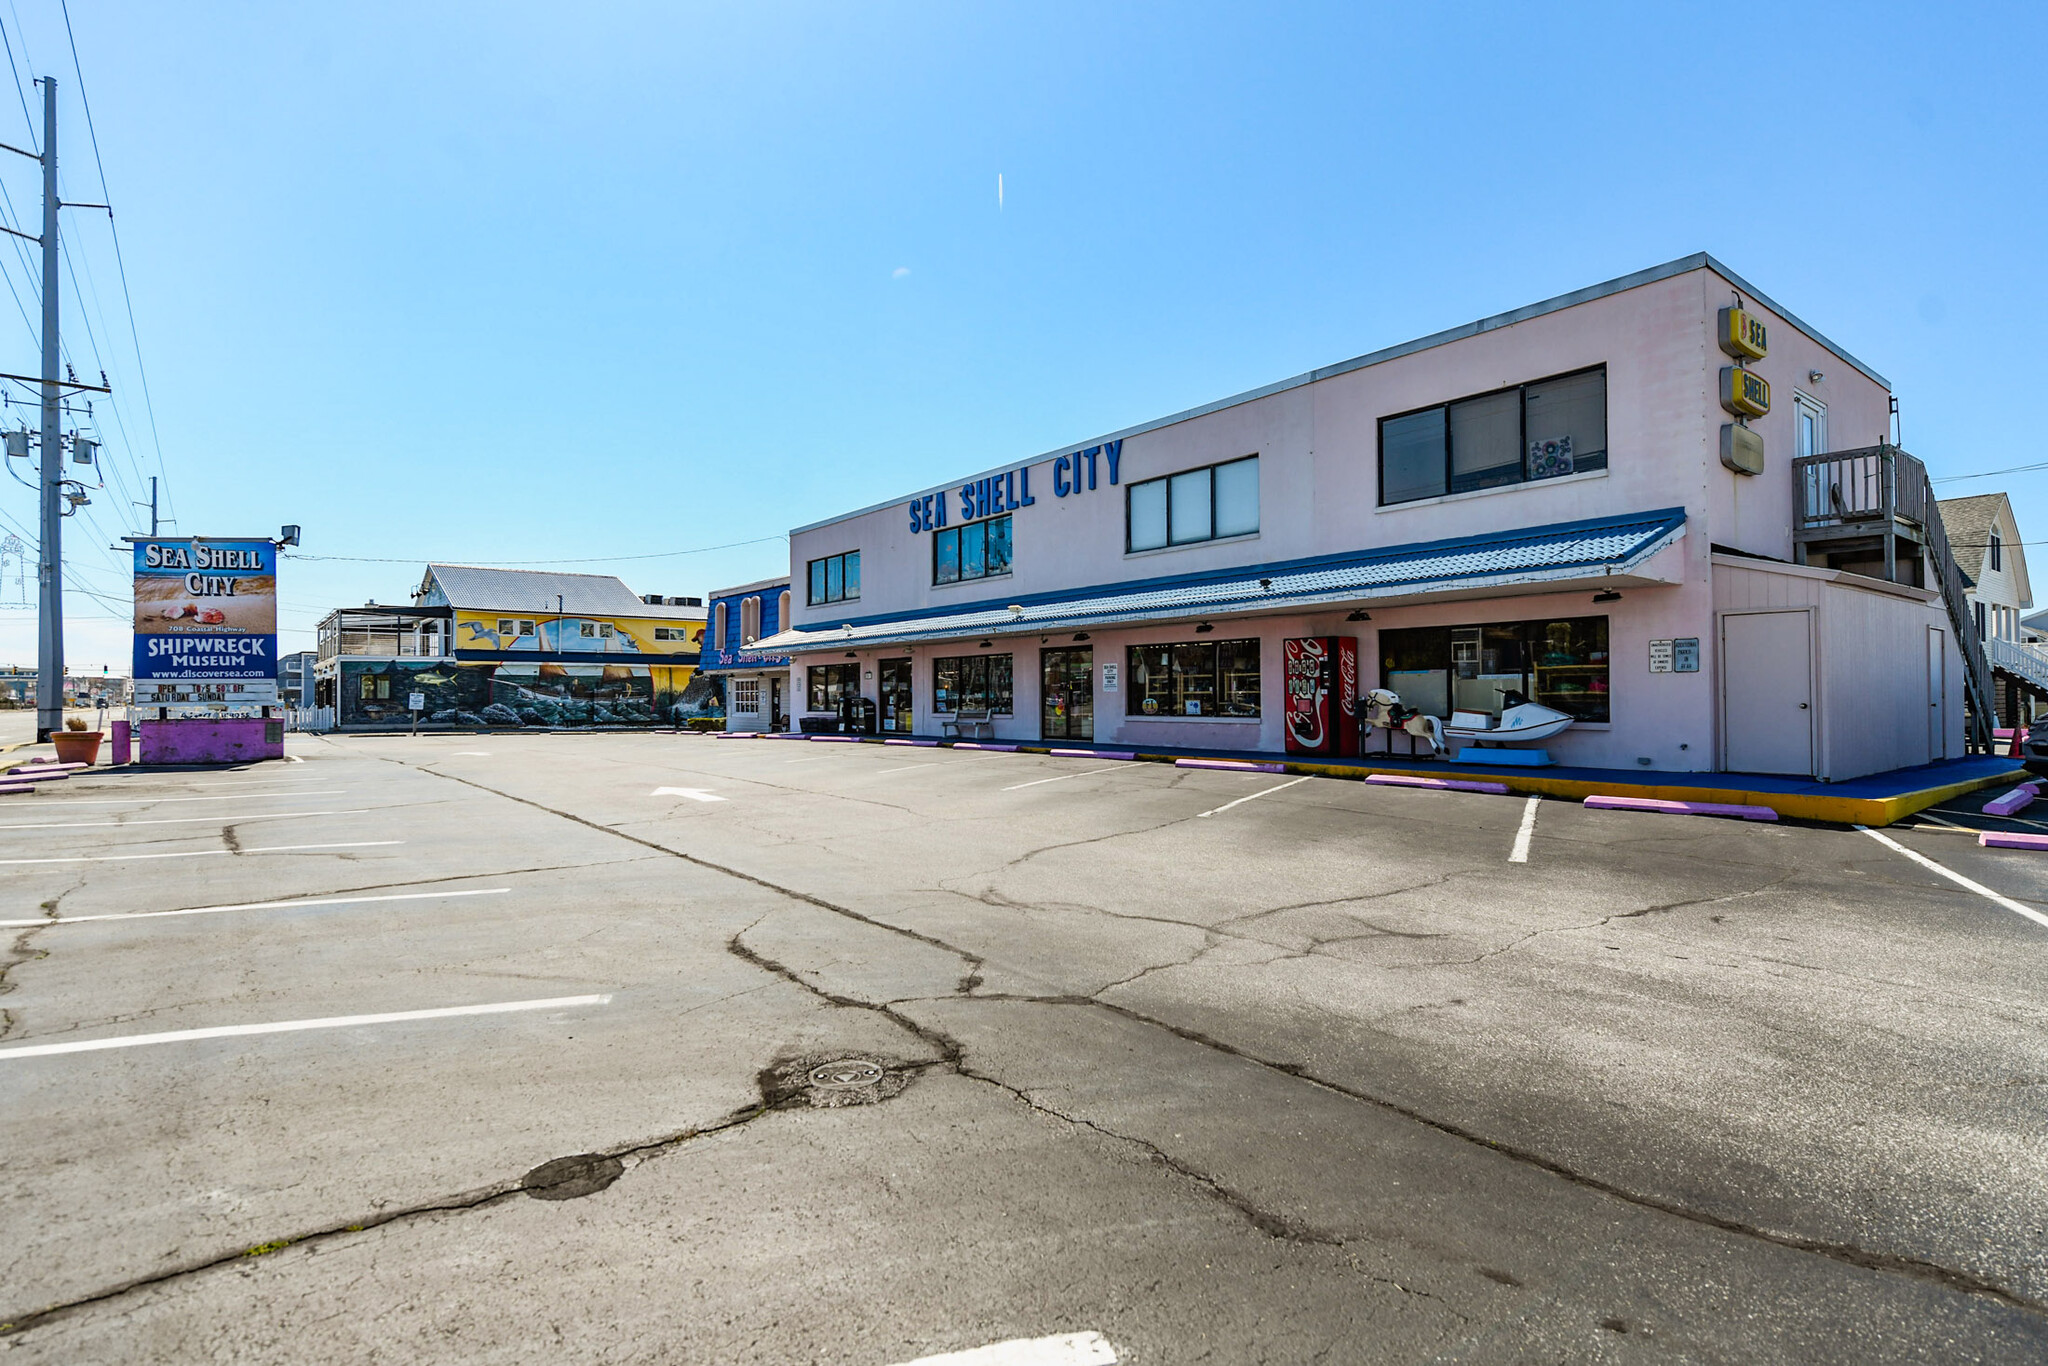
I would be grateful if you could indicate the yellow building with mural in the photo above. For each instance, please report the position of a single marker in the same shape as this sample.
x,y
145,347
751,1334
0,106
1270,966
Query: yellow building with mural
x,y
566,648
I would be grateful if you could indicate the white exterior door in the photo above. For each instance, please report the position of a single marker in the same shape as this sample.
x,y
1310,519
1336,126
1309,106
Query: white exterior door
x,y
1767,692
1937,694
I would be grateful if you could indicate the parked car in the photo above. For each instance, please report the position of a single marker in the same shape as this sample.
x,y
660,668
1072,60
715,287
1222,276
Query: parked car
x,y
2034,749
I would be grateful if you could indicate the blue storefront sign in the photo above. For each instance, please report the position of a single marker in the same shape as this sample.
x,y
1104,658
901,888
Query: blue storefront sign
x,y
1075,473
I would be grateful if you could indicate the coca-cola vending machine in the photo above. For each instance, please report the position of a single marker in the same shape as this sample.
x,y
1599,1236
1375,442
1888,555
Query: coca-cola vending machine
x,y
1321,682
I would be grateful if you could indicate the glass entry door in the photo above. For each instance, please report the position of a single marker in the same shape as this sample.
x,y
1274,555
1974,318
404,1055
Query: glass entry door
x,y
895,683
1066,704
775,717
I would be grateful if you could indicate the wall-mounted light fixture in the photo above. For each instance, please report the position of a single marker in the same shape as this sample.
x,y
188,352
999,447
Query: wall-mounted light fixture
x,y
985,644
1814,377
851,655
1204,629
1265,585
1080,636
1359,614
1608,596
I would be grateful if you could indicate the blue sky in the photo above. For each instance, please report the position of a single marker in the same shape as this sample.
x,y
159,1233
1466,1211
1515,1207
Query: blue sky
x,y
506,282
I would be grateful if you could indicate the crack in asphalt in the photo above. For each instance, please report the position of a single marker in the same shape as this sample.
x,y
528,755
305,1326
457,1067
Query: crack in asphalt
x,y
23,951
1848,1253
953,1058
481,1197
952,1055
1603,921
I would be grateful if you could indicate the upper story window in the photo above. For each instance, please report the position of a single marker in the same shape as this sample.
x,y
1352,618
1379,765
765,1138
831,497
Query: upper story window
x,y
681,633
1195,505
979,550
719,619
1533,431
509,627
836,578
1997,552
750,620
597,630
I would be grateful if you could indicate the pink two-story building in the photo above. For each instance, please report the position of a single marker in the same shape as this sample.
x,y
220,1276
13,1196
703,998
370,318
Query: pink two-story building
x,y
1591,502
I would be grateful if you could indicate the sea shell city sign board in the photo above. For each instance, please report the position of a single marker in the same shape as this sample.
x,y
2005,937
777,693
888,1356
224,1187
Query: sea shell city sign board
x,y
206,613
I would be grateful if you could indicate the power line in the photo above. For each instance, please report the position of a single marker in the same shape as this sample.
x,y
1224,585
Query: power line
x,y
1987,474
502,564
134,335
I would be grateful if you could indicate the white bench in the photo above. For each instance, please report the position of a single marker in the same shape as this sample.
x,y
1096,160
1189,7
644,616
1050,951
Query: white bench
x,y
969,725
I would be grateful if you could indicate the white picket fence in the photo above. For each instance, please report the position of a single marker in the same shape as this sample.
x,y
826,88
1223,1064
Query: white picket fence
x,y
309,718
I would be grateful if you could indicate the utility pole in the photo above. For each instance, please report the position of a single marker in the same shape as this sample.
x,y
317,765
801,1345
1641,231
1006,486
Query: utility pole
x,y
50,639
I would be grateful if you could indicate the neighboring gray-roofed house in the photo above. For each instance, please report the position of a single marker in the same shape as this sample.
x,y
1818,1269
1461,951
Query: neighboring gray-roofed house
x,y
528,590
1986,541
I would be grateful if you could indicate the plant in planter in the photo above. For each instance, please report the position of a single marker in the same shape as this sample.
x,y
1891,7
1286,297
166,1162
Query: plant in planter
x,y
75,744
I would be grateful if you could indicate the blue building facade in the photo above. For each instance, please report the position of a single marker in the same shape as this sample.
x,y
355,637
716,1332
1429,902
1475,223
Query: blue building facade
x,y
756,687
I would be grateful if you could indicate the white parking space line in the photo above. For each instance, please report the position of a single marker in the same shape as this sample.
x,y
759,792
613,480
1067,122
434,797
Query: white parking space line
x,y
180,780
46,923
156,801
473,753
1064,776
44,1050
1067,1349
182,820
904,768
1520,853
293,759
695,794
1264,792
1953,876
203,853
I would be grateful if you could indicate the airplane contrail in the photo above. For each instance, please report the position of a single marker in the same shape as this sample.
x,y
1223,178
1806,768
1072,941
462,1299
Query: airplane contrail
x,y
999,189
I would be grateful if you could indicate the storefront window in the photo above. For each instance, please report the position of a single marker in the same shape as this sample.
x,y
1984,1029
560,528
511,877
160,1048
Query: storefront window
x,y
978,550
972,683
1202,678
1560,664
830,682
1531,431
836,578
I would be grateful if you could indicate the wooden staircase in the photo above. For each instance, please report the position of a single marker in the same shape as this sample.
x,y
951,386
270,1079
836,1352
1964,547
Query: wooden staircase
x,y
1872,511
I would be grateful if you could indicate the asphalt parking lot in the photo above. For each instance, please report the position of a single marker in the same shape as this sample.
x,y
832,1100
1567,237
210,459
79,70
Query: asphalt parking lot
x,y
1224,1067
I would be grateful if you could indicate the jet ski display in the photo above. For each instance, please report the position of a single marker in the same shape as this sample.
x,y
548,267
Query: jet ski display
x,y
1520,722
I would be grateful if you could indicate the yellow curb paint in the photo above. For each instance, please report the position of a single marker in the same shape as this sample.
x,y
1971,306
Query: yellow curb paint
x,y
1809,806
1804,806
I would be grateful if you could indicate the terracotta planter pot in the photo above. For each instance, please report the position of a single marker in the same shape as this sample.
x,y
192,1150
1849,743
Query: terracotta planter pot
x,y
76,746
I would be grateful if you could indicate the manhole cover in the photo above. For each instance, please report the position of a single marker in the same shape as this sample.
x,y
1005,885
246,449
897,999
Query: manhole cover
x,y
829,1082
847,1074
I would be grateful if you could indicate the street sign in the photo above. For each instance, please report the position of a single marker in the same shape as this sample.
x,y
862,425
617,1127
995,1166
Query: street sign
x,y
416,701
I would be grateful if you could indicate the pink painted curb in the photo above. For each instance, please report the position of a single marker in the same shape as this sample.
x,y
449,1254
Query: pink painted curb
x,y
1748,813
835,739
927,744
50,774
34,767
1094,753
1998,839
1233,765
1454,784
2009,803
973,744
